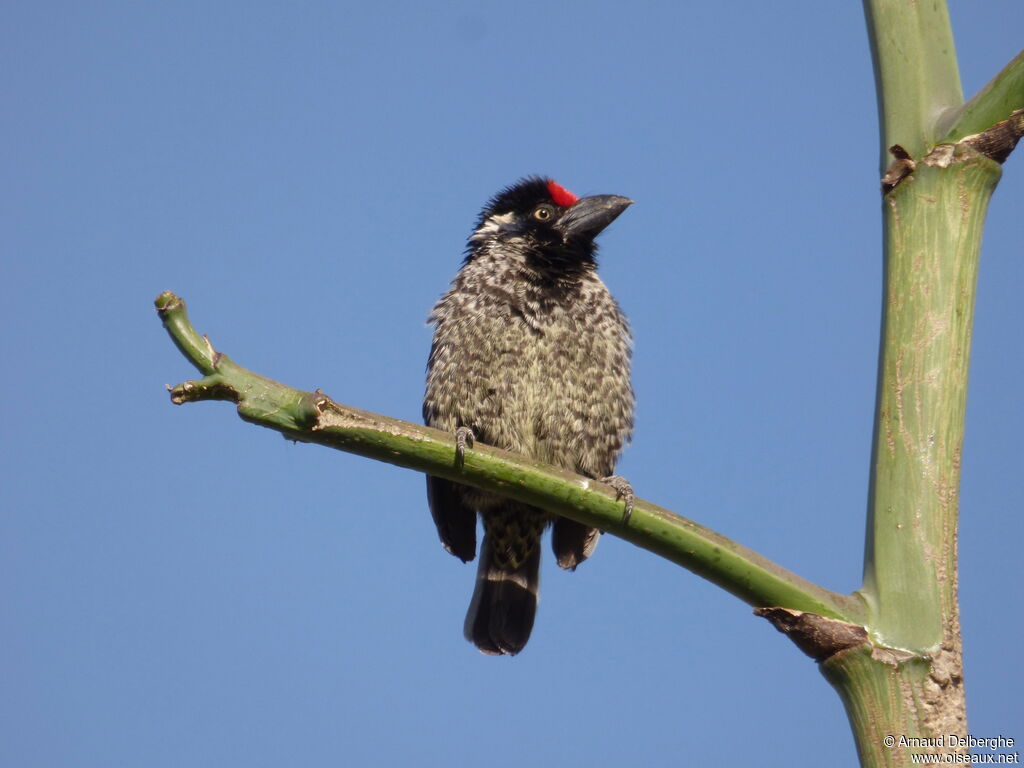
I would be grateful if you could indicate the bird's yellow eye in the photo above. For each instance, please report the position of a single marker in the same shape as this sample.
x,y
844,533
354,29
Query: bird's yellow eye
x,y
543,212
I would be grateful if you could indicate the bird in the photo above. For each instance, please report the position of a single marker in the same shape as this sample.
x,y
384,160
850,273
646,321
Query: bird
x,y
531,354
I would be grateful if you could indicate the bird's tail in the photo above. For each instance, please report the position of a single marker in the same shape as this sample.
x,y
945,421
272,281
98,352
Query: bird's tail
x,y
501,614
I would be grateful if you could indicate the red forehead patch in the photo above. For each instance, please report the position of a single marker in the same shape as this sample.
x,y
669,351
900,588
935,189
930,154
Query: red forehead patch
x,y
560,195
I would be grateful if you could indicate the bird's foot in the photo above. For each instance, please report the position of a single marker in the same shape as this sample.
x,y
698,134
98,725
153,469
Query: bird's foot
x,y
623,490
463,439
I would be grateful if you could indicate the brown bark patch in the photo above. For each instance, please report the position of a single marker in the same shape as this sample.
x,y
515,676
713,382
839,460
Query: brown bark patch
x,y
817,636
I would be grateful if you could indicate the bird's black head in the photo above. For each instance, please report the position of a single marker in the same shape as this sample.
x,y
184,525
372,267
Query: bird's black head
x,y
547,222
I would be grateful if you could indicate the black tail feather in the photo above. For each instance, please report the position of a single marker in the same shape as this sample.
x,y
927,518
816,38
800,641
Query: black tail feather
x,y
501,614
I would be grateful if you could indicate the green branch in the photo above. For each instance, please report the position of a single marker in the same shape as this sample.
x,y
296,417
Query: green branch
x,y
312,417
1002,97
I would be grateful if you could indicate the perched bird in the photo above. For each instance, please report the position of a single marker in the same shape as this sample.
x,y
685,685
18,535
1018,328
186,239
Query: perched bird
x,y
531,354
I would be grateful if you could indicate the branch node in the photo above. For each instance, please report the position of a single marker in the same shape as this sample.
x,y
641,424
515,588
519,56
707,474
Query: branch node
x,y
214,355
310,407
818,636
996,144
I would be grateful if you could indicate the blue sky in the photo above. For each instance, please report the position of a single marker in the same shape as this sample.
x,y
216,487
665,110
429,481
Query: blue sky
x,y
180,588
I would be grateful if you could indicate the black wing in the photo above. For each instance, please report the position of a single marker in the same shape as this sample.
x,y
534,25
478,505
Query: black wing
x,y
455,521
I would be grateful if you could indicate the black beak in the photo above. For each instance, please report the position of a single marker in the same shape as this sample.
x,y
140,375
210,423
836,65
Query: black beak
x,y
590,215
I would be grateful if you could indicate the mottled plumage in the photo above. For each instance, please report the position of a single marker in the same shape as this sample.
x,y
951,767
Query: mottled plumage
x,y
532,354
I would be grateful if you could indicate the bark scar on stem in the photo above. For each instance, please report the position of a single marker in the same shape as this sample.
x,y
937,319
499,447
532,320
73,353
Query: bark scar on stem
x,y
332,414
902,166
818,636
998,141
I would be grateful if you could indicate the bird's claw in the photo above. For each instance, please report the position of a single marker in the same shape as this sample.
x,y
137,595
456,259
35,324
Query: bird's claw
x,y
463,439
623,490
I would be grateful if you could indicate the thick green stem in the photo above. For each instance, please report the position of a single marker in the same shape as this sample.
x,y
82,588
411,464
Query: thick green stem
x,y
905,683
888,695
933,226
